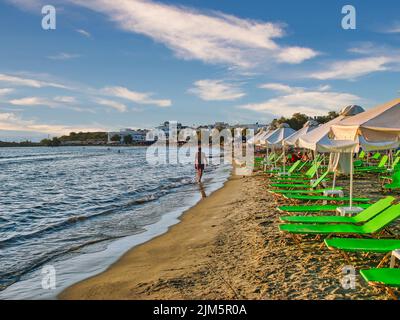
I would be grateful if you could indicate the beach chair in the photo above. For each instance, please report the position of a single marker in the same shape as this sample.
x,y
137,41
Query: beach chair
x,y
301,185
301,178
363,245
379,168
302,192
363,216
316,208
292,168
323,198
395,184
373,226
384,278
376,156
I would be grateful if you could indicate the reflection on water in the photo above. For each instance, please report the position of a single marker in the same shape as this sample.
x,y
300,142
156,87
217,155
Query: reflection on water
x,y
202,190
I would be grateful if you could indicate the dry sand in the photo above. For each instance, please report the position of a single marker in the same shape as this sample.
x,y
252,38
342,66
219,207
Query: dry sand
x,y
229,247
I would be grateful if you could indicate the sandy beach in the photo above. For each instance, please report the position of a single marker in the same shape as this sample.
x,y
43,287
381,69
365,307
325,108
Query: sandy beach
x,y
229,247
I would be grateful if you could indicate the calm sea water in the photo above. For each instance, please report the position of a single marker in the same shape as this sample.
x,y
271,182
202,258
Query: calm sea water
x,y
57,203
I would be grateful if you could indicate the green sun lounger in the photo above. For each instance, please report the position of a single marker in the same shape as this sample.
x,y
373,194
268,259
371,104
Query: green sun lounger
x,y
301,186
363,245
395,184
363,216
385,276
298,177
324,198
292,168
377,223
376,156
316,208
317,191
379,167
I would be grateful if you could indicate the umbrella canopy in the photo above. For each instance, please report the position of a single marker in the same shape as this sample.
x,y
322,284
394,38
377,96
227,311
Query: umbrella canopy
x,y
254,139
293,140
318,139
380,124
258,138
275,139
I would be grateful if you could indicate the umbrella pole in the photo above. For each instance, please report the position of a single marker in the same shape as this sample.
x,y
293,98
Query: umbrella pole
x,y
284,160
351,180
334,180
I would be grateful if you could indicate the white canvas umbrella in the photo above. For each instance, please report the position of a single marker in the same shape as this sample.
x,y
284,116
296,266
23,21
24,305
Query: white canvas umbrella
x,y
275,139
254,139
375,129
293,140
318,140
378,128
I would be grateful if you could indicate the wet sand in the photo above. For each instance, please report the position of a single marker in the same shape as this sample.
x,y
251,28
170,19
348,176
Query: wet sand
x,y
229,247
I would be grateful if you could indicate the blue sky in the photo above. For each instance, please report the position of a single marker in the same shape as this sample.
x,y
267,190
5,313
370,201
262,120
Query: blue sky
x,y
136,63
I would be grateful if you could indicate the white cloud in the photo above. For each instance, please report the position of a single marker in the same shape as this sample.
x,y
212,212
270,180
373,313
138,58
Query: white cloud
x,y
40,101
84,33
324,87
353,69
31,101
394,28
112,104
310,102
5,91
295,55
280,87
64,56
11,121
138,97
65,99
29,82
216,90
211,37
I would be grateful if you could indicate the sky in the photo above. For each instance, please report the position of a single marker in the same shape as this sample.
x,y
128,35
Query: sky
x,y
113,64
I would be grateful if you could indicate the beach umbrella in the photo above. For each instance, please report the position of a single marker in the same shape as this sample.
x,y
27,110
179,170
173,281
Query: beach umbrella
x,y
259,135
293,140
375,129
319,140
276,138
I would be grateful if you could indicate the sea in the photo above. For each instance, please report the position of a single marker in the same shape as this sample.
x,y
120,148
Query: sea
x,y
67,213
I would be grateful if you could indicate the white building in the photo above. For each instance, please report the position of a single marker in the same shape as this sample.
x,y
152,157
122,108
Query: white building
x,y
137,135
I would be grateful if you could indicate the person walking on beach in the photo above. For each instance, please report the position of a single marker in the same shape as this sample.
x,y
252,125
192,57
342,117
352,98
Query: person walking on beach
x,y
200,162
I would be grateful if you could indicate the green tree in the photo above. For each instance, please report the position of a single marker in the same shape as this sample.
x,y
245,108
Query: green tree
x,y
128,139
116,138
297,121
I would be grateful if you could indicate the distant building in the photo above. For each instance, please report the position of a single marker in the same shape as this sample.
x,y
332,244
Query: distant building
x,y
138,136
253,126
167,126
221,125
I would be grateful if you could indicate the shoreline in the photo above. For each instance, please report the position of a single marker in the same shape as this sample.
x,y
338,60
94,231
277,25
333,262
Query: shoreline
x,y
152,258
228,247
